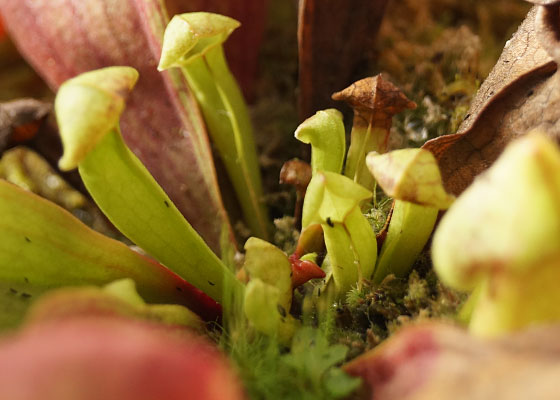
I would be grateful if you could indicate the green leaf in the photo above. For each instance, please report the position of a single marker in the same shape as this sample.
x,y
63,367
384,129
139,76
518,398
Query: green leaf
x,y
343,258
340,384
501,238
364,242
191,35
325,132
268,263
409,230
333,201
411,175
193,42
88,107
43,247
123,188
117,298
331,197
131,198
265,312
509,217
315,360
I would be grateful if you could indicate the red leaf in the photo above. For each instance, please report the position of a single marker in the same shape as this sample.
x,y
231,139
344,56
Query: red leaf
x,y
436,361
162,124
110,359
334,40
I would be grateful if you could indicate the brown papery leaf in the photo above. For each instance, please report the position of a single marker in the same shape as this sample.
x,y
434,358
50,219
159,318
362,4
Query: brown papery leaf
x,y
521,93
20,120
334,38
296,173
436,361
162,123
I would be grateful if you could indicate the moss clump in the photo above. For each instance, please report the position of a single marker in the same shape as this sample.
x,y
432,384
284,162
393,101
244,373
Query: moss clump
x,y
372,314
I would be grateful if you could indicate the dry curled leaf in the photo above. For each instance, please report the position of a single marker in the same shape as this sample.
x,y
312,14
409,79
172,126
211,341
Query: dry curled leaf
x,y
334,38
435,361
374,100
20,120
296,173
521,93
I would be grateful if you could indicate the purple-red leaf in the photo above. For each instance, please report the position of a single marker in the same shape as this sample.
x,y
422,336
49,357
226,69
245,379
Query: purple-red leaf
x,y
162,124
112,359
435,361
334,38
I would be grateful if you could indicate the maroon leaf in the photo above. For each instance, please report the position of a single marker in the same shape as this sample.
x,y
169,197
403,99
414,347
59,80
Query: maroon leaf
x,y
435,361
110,359
334,38
162,123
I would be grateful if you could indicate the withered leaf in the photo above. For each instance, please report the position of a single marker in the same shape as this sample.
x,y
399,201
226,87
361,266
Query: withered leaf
x,y
20,120
334,38
296,173
521,93
436,361
374,100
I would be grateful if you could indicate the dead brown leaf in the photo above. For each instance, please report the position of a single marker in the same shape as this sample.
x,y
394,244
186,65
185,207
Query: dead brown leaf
x,y
521,93
296,173
20,120
436,361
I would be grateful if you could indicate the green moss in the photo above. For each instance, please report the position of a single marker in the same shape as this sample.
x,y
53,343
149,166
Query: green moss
x,y
372,314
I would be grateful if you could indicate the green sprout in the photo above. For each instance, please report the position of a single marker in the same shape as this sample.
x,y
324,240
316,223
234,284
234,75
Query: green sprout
x,y
333,201
374,101
193,43
324,131
88,108
268,296
504,244
413,179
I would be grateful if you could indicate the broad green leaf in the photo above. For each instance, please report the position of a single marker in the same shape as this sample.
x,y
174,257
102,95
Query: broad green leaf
x,y
43,247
